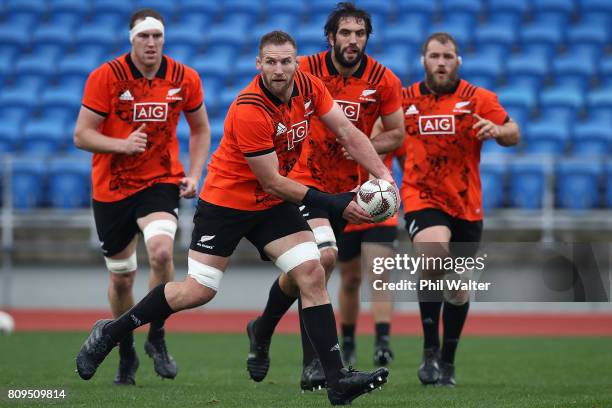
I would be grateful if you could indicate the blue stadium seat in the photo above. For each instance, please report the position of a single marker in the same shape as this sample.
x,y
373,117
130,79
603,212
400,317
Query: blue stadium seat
x,y
22,97
545,137
216,133
541,39
578,183
33,6
527,69
608,184
568,99
590,33
461,31
34,64
9,135
73,69
605,71
396,63
28,182
495,38
63,96
527,184
507,12
15,35
166,8
68,12
518,114
180,52
310,39
226,35
598,11
592,137
405,35
198,13
600,98
560,11
574,70
466,11
482,69
100,36
253,9
220,70
522,97
492,177
420,12
184,35
120,8
53,34
278,11
491,148
182,134
380,11
69,183
44,136
319,10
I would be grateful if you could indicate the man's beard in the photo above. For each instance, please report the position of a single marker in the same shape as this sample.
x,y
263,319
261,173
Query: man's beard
x,y
343,61
442,88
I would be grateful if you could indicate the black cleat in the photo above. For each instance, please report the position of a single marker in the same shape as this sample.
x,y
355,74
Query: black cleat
x,y
94,350
447,375
429,370
382,354
349,357
258,360
126,374
313,376
164,364
353,383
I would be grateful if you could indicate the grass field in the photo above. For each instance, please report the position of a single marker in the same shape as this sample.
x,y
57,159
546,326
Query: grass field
x,y
492,372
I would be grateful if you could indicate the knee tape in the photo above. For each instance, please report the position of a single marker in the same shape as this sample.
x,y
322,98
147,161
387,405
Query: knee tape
x,y
324,237
122,265
205,275
159,227
306,251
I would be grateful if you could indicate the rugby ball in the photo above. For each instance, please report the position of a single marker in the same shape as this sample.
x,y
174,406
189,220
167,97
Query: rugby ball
x,y
378,198
7,324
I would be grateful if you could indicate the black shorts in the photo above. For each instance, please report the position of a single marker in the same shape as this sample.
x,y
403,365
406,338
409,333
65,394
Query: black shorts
x,y
116,221
349,243
310,213
462,231
218,230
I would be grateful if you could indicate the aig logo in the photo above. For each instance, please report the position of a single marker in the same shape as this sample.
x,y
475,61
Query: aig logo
x,y
150,112
437,125
350,109
298,132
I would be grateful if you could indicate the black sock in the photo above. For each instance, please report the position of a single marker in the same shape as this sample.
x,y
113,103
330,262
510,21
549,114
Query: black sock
x,y
154,306
277,306
382,332
430,318
348,335
126,346
453,318
156,329
320,324
308,352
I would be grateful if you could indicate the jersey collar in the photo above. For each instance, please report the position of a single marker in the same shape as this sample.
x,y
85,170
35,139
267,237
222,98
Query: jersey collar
x,y
161,72
425,90
333,71
273,98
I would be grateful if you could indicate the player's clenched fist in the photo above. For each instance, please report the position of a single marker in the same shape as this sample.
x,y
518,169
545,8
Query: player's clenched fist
x,y
136,142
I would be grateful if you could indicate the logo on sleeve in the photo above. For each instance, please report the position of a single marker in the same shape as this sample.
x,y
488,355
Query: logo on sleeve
x,y
350,109
150,112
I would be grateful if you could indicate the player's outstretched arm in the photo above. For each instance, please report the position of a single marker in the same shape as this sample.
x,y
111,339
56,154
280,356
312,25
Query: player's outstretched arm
x,y
265,168
87,137
390,133
199,146
356,143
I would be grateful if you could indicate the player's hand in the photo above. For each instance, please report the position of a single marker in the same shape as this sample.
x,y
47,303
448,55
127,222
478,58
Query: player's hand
x,y
136,142
488,129
188,187
354,214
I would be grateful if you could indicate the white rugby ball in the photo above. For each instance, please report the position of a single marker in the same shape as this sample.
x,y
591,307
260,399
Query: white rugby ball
x,y
7,323
378,198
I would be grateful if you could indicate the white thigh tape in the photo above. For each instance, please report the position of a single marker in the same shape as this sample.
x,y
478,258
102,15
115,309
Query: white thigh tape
x,y
159,227
306,251
205,275
149,23
122,265
324,237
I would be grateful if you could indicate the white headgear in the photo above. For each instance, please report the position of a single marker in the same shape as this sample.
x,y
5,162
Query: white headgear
x,y
149,23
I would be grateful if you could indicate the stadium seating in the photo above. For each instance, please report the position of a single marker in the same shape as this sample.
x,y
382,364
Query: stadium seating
x,y
69,183
578,184
28,182
549,61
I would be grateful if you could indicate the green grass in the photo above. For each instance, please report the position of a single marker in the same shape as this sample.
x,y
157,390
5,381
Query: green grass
x,y
491,372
